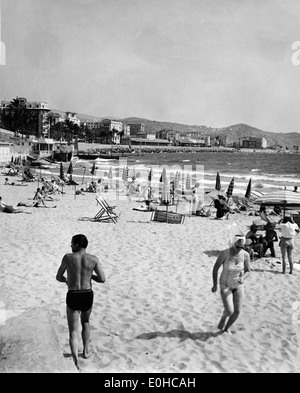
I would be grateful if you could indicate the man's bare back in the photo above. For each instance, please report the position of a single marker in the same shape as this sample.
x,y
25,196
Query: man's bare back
x,y
80,267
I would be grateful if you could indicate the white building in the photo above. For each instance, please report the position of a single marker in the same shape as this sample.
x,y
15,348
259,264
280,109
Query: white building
x,y
71,116
93,124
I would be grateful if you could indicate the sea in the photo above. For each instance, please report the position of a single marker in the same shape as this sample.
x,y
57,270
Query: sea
x,y
267,171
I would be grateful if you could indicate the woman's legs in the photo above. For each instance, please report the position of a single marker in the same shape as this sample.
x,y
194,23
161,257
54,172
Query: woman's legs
x,y
238,297
227,299
290,257
283,254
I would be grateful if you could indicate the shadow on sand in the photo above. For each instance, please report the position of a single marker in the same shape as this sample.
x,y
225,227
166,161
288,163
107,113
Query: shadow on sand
x,y
182,334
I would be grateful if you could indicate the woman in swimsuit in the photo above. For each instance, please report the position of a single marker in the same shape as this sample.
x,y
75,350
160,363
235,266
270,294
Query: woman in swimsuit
x,y
236,268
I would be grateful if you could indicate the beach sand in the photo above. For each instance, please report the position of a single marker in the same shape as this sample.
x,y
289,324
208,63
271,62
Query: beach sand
x,y
156,312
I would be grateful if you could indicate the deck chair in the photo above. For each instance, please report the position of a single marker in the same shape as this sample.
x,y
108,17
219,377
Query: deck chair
x,y
106,212
257,194
166,216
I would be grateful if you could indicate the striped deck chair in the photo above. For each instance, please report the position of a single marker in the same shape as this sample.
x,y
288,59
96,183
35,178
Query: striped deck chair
x,y
257,194
106,212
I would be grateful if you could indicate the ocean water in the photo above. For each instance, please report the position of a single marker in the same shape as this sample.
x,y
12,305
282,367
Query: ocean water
x,y
266,170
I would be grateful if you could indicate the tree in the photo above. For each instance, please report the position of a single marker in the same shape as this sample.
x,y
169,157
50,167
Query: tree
x,y
18,115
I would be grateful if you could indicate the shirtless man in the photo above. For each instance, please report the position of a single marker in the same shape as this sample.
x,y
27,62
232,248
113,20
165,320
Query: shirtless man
x,y
80,267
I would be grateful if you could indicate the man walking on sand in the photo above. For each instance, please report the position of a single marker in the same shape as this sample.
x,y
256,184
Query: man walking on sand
x,y
80,267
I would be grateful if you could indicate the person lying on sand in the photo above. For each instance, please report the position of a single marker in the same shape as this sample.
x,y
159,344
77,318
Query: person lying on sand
x,y
7,183
39,200
4,208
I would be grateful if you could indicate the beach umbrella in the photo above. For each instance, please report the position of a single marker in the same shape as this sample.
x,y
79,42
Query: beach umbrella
x,y
218,182
166,195
125,174
230,188
248,191
188,182
70,169
150,176
134,176
61,172
176,180
93,170
83,174
163,176
110,175
283,198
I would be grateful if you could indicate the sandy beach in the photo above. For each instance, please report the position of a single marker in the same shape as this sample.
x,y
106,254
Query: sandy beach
x,y
155,312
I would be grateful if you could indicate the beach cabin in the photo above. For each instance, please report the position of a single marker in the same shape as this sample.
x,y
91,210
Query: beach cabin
x,y
42,147
5,152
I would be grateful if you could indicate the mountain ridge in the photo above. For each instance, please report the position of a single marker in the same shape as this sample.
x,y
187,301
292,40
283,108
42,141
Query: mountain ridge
x,y
234,132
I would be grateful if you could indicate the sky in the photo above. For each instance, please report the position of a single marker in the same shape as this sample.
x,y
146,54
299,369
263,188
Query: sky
x,y
197,62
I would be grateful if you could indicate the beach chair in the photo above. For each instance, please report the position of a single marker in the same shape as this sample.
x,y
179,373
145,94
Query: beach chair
x,y
257,194
106,212
166,216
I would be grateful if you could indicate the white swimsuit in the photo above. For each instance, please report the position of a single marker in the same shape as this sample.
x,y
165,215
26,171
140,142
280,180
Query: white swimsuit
x,y
231,274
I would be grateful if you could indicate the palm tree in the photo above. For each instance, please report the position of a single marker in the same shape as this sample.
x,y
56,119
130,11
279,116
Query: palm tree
x,y
18,109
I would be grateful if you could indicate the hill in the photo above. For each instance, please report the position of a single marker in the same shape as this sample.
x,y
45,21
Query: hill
x,y
234,132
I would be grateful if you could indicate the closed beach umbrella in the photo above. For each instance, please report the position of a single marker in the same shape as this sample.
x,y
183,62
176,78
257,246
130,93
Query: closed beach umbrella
x,y
218,182
188,182
230,188
248,191
61,172
125,174
110,175
70,169
134,176
150,175
176,180
166,195
283,198
93,170
163,176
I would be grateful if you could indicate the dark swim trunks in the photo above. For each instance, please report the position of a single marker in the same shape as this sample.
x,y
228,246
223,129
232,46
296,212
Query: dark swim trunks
x,y
80,300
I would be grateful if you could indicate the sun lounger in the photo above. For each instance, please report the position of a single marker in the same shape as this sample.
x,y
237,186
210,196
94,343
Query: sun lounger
x,y
166,216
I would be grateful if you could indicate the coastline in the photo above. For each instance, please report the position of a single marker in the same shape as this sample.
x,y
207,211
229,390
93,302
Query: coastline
x,y
86,148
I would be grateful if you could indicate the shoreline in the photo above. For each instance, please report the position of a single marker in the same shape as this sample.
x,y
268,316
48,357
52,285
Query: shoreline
x,y
87,148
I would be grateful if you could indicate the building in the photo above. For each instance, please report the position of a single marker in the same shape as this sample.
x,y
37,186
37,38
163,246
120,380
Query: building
x,y
55,118
168,134
93,124
40,108
113,129
5,151
71,117
137,130
254,143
